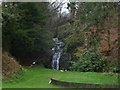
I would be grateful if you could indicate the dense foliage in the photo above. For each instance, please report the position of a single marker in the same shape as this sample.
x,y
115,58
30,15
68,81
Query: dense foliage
x,y
89,60
92,27
96,26
73,40
25,34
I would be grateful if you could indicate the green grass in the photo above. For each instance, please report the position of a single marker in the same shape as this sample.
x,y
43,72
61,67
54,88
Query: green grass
x,y
40,77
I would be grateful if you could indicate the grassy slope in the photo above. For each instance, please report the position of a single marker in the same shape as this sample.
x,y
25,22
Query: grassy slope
x,y
39,78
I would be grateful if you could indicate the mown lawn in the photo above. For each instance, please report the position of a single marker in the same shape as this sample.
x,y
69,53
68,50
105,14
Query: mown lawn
x,y
40,77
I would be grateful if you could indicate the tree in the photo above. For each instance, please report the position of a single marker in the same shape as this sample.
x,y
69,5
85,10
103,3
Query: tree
x,y
25,34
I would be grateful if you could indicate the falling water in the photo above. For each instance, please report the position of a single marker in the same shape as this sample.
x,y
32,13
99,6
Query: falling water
x,y
58,51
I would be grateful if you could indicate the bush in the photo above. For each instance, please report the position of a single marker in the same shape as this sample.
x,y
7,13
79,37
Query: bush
x,y
89,60
112,65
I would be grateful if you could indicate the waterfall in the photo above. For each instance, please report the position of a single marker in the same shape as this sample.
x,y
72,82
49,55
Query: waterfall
x,y
58,51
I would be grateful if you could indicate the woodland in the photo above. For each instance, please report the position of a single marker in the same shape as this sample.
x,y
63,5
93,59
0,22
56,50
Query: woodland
x,y
88,30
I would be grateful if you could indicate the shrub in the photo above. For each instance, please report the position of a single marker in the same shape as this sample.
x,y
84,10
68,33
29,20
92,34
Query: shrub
x,y
89,60
112,65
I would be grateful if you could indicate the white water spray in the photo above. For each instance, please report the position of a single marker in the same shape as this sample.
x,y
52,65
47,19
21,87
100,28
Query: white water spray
x,y
57,54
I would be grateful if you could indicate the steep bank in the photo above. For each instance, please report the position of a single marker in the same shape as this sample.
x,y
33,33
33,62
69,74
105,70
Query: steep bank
x,y
10,66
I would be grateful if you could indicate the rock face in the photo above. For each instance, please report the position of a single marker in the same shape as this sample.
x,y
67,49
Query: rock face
x,y
60,60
